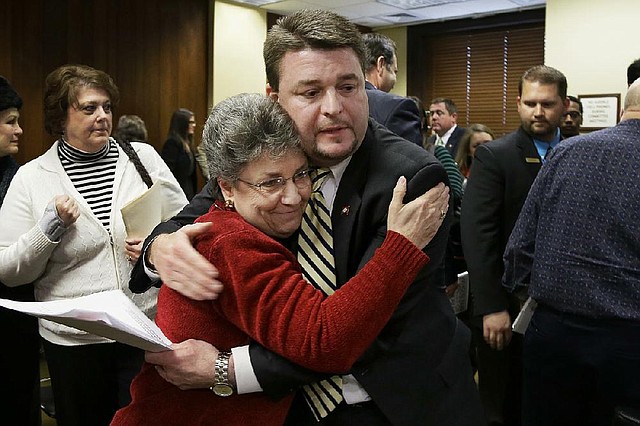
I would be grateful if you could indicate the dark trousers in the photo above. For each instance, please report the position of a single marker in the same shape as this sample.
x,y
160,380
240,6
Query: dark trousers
x,y
19,369
365,414
499,378
91,382
577,369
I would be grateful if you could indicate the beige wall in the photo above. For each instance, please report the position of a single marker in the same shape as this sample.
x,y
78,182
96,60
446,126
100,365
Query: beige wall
x,y
593,43
238,36
399,35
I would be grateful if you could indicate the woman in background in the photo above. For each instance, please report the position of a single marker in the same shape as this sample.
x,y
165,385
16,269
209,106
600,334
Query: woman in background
x,y
131,128
476,134
179,151
19,358
61,229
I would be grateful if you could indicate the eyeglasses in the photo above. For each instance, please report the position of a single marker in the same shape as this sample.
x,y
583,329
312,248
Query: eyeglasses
x,y
573,114
272,186
192,122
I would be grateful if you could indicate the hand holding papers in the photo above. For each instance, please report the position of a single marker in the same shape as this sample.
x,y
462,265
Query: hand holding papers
x,y
155,205
460,299
110,314
524,317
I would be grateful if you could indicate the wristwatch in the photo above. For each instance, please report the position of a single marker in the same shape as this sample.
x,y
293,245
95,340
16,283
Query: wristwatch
x,y
221,385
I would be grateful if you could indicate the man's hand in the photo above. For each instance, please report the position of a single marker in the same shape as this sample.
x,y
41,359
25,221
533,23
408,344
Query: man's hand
x,y
497,329
451,289
133,248
181,267
190,365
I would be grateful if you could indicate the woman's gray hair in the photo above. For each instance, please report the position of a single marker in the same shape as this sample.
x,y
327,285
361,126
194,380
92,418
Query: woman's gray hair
x,y
241,129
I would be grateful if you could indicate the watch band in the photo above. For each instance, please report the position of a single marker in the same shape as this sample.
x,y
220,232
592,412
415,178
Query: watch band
x,y
221,385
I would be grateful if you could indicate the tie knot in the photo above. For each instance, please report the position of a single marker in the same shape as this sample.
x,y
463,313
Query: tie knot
x,y
318,176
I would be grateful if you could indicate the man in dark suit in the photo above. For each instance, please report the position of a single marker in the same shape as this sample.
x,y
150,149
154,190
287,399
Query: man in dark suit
x,y
417,370
444,117
396,113
502,173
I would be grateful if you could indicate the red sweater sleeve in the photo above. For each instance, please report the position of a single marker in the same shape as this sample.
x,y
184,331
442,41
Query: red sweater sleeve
x,y
266,296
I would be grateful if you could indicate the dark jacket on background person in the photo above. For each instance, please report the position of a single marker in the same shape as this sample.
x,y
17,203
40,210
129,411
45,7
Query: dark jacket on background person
x,y
396,113
182,164
452,142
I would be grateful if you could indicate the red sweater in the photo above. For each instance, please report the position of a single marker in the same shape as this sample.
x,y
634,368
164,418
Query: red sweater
x,y
267,300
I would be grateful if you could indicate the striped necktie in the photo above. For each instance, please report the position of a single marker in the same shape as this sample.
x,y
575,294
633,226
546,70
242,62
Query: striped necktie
x,y
315,255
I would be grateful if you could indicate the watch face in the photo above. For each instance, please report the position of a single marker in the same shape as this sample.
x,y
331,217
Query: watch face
x,y
222,389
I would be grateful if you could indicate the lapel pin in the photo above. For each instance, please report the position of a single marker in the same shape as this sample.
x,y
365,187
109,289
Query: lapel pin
x,y
345,210
532,160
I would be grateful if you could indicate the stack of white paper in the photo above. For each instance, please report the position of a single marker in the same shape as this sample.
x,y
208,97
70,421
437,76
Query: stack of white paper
x,y
110,314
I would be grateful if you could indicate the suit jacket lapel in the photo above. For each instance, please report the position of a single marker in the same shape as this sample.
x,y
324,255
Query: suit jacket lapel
x,y
528,151
346,207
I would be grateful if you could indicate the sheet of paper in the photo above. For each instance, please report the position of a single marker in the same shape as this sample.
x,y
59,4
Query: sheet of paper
x,y
460,299
524,317
110,314
153,206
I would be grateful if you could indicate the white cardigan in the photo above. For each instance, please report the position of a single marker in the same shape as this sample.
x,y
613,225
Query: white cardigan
x,y
87,259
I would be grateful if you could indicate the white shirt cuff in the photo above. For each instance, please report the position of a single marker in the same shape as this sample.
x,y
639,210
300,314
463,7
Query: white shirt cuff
x,y
246,380
352,392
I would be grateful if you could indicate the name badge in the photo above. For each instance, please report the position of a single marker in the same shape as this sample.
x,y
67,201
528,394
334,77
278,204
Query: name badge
x,y
532,160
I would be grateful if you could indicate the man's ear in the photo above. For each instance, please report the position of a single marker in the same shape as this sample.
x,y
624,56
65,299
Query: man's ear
x,y
271,93
226,188
381,64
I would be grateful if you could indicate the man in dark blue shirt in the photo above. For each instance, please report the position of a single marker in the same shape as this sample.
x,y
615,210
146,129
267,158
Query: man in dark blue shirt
x,y
576,245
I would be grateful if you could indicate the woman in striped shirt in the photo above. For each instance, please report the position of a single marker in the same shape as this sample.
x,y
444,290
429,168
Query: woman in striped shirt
x,y
61,228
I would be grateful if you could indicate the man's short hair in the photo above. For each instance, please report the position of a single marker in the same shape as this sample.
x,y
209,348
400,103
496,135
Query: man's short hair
x,y
309,29
633,72
576,100
448,104
545,75
378,45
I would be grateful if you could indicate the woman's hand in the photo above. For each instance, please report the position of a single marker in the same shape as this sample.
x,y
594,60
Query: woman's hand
x,y
66,209
133,248
420,219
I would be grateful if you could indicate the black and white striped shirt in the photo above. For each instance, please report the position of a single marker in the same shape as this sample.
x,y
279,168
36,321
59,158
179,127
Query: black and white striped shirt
x,y
92,174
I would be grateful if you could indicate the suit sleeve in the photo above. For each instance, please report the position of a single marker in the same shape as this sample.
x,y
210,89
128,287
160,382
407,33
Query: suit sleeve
x,y
170,154
405,121
432,275
139,281
480,222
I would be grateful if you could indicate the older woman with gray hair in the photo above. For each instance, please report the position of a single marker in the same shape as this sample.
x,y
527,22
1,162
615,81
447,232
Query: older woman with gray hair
x,y
264,185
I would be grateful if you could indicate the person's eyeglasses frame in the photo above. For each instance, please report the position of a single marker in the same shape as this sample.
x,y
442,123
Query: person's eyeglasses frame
x,y
276,185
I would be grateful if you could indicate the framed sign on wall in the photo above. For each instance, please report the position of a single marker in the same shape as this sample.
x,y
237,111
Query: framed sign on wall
x,y
600,111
